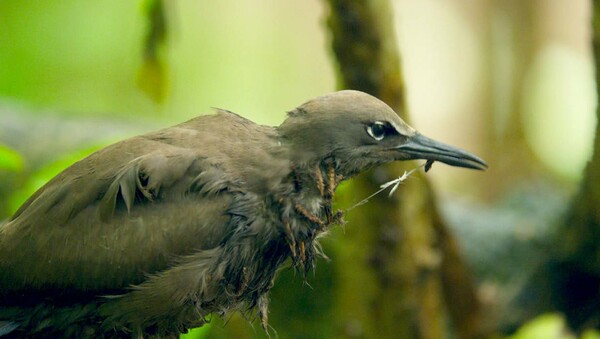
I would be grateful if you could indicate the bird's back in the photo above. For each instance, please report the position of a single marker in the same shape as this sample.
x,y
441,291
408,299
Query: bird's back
x,y
131,210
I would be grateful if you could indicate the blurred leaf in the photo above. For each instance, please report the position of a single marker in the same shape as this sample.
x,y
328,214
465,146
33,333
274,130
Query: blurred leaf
x,y
197,333
547,326
10,159
44,174
152,75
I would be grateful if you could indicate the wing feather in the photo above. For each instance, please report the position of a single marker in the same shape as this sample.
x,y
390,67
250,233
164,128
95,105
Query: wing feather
x,y
134,207
115,227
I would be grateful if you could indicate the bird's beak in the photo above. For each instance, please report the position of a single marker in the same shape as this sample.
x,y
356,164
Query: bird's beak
x,y
421,147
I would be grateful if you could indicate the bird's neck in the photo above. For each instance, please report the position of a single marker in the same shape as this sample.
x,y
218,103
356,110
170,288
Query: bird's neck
x,y
307,212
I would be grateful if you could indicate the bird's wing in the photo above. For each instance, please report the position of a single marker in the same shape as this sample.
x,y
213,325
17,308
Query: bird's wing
x,y
109,220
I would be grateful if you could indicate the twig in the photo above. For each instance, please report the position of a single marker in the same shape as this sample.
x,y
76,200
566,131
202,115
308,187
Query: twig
x,y
396,182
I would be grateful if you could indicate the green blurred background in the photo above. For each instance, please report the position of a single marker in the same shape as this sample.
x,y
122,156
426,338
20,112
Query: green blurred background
x,y
77,75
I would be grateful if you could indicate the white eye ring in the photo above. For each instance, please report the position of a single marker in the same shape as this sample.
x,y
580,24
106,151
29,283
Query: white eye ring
x,y
377,130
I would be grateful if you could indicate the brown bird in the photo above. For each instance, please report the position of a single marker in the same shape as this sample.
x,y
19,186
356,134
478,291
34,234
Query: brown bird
x,y
150,235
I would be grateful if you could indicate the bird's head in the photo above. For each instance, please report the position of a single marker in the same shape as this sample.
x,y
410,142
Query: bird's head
x,y
360,131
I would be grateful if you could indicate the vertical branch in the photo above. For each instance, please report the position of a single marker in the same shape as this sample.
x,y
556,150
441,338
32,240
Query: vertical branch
x,y
152,76
401,270
575,271
365,49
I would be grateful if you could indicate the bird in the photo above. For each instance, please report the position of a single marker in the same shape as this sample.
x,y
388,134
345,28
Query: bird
x,y
149,236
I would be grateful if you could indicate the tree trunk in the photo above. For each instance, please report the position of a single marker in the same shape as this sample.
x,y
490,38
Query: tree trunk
x,y
398,271
575,274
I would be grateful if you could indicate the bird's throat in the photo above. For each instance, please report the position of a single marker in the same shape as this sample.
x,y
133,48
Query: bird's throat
x,y
311,210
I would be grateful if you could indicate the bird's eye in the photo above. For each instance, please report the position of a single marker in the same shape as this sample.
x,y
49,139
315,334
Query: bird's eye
x,y
376,130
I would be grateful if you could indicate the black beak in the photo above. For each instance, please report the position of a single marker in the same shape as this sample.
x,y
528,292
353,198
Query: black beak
x,y
421,147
